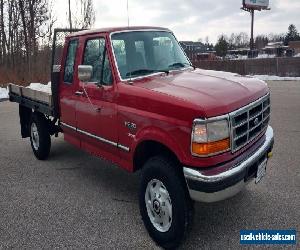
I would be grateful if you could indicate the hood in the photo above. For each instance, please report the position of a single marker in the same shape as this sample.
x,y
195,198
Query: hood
x,y
216,93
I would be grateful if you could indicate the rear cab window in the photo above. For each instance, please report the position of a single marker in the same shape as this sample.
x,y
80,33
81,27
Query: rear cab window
x,y
70,61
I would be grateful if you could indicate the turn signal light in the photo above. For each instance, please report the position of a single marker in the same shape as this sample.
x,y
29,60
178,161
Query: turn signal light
x,y
210,147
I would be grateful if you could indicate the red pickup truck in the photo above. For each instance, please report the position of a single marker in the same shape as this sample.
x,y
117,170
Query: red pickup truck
x,y
130,95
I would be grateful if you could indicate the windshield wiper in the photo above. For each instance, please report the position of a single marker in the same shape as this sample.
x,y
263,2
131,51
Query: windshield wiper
x,y
145,71
179,64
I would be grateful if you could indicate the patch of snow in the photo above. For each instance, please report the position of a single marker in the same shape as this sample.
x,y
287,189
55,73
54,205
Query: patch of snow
x,y
297,55
41,87
275,78
3,93
240,57
265,56
260,56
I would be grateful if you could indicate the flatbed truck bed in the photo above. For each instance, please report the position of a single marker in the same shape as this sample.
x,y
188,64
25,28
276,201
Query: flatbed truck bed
x,y
34,99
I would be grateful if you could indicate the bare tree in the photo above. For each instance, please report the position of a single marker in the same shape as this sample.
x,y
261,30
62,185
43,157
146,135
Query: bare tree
x,y
70,15
83,15
52,21
3,34
22,12
261,41
88,13
23,26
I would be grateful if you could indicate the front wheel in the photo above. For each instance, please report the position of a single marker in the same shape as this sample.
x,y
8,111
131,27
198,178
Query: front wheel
x,y
39,137
165,205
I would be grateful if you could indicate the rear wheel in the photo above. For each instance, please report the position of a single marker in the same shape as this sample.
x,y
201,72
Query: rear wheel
x,y
165,205
39,137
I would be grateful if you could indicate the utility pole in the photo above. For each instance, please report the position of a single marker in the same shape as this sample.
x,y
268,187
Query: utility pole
x,y
70,16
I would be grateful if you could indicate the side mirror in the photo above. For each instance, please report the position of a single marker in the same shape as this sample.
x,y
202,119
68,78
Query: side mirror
x,y
85,73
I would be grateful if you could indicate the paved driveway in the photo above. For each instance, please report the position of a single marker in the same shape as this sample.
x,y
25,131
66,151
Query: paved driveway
x,y
74,200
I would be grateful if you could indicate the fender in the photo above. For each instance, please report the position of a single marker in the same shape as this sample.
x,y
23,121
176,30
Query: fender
x,y
157,134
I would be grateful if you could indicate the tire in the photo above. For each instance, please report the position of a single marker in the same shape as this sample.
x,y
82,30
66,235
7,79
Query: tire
x,y
164,189
39,136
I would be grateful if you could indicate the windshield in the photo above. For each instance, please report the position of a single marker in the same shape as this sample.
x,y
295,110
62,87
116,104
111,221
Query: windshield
x,y
140,53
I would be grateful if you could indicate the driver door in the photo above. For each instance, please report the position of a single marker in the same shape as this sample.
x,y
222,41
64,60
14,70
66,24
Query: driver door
x,y
96,111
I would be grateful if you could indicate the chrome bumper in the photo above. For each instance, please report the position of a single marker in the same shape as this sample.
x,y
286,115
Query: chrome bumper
x,y
211,188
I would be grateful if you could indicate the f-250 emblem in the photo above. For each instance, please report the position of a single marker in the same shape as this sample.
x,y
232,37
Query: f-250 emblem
x,y
130,125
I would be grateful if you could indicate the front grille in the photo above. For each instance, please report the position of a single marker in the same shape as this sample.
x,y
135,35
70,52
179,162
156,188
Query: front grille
x,y
248,122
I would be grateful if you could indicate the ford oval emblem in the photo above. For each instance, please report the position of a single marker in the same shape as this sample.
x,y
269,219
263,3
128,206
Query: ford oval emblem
x,y
256,121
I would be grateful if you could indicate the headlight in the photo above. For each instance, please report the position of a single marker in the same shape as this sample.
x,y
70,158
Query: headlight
x,y
210,137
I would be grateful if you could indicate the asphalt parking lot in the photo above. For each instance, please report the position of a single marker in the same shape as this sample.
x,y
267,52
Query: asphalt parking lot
x,y
76,201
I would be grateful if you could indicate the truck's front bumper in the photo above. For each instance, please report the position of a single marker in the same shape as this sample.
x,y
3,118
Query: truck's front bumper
x,y
206,187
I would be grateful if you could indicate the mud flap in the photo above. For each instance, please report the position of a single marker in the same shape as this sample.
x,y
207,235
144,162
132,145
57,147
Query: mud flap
x,y
25,116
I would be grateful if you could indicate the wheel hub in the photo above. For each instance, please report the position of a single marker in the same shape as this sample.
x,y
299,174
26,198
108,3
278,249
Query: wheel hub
x,y
156,206
35,136
159,205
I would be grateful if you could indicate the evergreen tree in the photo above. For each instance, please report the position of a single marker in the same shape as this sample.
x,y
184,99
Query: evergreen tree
x,y
292,35
221,46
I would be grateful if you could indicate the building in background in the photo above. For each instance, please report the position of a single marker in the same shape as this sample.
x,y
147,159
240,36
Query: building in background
x,y
207,56
278,49
192,49
295,45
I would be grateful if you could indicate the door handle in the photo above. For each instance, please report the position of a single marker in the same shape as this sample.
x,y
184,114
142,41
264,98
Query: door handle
x,y
79,93
98,109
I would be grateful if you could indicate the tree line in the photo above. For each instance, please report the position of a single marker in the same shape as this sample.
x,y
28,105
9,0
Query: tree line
x,y
26,29
242,40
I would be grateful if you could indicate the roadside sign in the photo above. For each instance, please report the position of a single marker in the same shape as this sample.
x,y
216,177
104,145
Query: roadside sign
x,y
256,4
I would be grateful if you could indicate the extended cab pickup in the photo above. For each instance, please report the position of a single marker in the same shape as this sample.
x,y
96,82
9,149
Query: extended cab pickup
x,y
131,96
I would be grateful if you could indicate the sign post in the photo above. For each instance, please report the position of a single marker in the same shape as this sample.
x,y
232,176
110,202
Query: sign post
x,y
252,30
250,6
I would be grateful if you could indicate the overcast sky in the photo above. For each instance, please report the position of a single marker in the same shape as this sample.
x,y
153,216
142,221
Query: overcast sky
x,y
190,19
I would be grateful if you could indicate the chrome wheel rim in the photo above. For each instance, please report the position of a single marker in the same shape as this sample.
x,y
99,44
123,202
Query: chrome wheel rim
x,y
159,205
35,136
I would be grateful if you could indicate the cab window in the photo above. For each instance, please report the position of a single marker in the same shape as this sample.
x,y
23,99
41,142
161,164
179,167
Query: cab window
x,y
95,54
